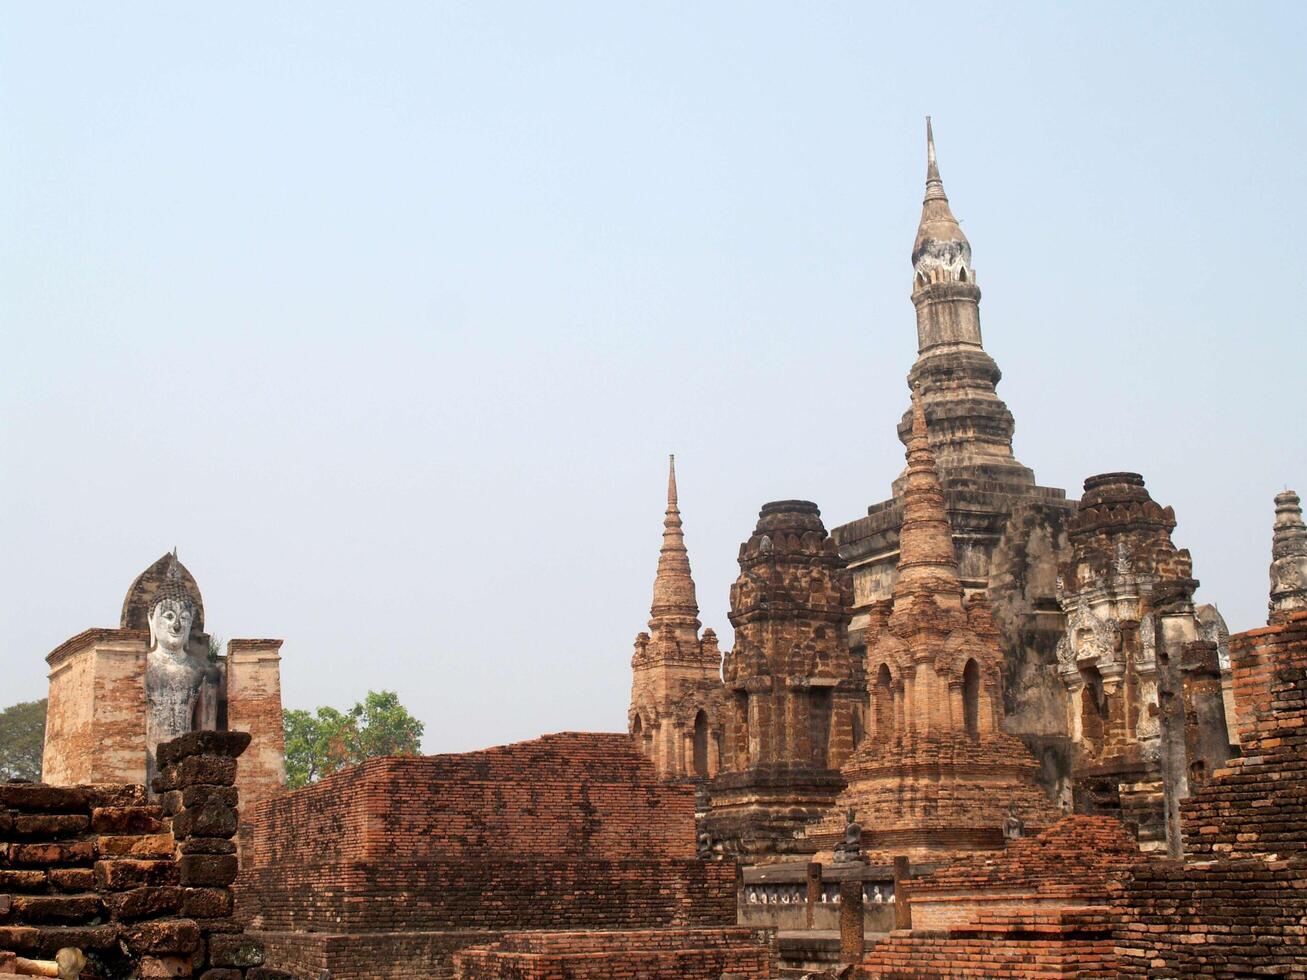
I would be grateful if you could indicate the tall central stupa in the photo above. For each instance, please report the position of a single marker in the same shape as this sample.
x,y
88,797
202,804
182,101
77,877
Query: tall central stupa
x,y
1007,530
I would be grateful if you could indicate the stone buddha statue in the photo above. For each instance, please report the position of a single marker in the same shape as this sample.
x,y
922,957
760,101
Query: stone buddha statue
x,y
173,677
850,849
1014,828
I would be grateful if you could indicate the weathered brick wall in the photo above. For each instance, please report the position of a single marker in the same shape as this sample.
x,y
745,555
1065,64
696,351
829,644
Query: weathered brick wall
x,y
254,706
498,895
136,886
567,794
1239,906
1074,863
1029,945
95,731
388,867
683,953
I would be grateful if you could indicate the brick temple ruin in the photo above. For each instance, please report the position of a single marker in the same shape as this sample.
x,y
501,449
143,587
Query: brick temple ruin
x,y
983,730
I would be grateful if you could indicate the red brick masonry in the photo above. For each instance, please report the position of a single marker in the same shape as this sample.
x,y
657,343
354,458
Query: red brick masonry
x,y
692,954
385,869
142,889
1239,907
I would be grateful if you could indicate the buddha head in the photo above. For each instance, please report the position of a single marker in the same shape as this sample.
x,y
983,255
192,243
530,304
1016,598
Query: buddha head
x,y
171,615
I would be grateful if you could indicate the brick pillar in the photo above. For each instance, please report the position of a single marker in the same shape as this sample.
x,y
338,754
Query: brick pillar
x,y
902,901
254,706
814,891
851,921
197,783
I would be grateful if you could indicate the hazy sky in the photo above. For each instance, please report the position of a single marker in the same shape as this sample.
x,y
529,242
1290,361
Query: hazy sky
x,y
387,315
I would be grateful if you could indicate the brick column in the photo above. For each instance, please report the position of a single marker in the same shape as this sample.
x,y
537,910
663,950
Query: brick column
x,y
254,706
851,921
902,901
197,783
814,892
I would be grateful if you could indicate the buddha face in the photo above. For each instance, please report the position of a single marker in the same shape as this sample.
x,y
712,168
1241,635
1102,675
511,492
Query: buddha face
x,y
170,625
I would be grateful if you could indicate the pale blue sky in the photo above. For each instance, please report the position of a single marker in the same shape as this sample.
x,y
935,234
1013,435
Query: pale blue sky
x,y
388,314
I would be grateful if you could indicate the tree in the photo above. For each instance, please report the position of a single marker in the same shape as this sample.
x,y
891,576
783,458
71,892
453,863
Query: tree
x,y
318,744
22,740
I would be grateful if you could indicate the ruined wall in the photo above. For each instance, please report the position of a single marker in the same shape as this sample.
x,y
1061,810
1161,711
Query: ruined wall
x,y
95,722
1034,945
1238,906
692,954
395,863
1072,864
136,886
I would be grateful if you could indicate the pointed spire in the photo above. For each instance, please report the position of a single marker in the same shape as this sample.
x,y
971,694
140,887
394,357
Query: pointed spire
x,y
926,550
674,600
934,186
1288,557
940,241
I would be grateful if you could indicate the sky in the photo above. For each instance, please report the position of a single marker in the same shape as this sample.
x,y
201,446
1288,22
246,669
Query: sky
x,y
387,315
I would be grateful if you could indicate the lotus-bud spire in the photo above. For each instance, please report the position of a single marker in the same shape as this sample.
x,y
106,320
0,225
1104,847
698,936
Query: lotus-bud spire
x,y
926,538
674,600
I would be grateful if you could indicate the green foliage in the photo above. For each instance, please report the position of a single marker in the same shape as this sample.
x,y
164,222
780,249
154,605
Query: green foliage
x,y
320,743
22,740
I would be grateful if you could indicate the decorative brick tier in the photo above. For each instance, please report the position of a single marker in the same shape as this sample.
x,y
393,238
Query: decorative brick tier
x,y
1074,863
1071,942
142,889
387,868
689,954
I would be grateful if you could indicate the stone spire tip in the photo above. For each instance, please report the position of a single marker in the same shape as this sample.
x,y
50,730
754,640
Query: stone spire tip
x,y
932,168
671,481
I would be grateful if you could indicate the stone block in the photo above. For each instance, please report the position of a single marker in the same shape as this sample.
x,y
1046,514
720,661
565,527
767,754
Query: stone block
x,y
67,909
126,873
228,744
206,870
97,938
40,798
208,770
22,881
221,973
265,973
212,819
169,936
206,903
144,903
73,879
127,820
206,845
51,855
236,951
115,794
45,826
202,794
137,846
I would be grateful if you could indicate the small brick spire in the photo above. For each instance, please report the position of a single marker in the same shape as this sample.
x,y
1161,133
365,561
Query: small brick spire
x,y
674,601
1288,557
926,550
